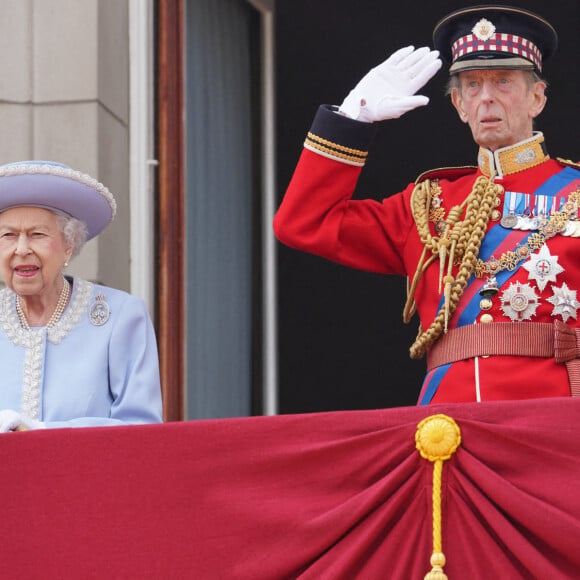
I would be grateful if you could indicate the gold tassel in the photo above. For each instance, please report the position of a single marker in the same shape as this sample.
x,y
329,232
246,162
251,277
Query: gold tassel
x,y
443,245
437,438
442,254
410,307
449,280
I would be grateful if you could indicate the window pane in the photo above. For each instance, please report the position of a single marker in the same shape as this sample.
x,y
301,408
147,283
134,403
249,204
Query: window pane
x,y
221,198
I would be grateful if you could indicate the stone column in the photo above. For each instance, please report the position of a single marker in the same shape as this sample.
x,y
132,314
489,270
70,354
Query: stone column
x,y
64,96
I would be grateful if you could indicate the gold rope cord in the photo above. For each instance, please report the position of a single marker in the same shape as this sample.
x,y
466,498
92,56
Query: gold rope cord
x,y
458,244
437,438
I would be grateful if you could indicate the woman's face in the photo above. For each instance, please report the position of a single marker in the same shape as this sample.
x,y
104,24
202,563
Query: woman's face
x,y
33,251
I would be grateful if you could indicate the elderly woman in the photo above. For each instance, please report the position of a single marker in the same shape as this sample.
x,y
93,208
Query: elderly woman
x,y
72,353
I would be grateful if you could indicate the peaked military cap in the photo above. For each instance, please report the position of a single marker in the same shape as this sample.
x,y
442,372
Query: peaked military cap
x,y
494,36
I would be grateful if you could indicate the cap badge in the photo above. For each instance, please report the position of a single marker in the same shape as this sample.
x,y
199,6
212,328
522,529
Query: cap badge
x,y
483,30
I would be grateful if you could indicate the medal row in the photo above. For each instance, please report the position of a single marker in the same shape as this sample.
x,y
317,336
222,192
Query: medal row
x,y
572,229
524,211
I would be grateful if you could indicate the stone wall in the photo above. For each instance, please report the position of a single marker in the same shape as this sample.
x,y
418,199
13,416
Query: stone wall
x,y
64,96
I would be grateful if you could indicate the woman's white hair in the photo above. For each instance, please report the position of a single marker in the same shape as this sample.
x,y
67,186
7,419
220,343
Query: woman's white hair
x,y
74,231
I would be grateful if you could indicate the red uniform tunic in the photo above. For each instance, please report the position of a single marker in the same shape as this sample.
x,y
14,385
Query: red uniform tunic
x,y
317,215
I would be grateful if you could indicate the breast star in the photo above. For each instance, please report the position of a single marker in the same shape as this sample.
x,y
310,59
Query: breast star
x,y
543,267
564,301
519,302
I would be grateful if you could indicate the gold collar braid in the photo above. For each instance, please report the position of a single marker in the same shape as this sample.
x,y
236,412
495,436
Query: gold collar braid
x,y
514,158
458,243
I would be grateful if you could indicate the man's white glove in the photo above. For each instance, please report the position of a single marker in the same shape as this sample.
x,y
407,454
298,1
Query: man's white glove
x,y
388,90
12,421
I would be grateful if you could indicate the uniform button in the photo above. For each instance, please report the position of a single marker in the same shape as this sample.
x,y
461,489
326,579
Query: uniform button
x,y
486,319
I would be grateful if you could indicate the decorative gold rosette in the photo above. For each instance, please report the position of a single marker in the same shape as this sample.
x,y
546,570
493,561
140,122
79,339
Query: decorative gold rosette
x,y
437,437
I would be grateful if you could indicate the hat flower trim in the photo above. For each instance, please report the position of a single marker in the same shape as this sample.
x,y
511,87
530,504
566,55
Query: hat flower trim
x,y
61,171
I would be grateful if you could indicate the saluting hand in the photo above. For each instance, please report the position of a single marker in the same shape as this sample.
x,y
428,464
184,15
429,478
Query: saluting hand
x,y
388,90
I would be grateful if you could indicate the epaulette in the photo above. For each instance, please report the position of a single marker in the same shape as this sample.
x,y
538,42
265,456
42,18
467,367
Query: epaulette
x,y
450,173
568,162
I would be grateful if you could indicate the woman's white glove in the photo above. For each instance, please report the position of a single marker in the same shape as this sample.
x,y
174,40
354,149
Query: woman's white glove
x,y
12,421
388,90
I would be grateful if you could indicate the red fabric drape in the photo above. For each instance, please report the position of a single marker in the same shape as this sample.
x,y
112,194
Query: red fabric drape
x,y
337,495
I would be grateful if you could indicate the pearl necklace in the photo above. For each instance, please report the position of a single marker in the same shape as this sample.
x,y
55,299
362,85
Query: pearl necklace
x,y
58,311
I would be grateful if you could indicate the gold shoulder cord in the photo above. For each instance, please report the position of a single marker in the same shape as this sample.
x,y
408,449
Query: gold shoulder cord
x,y
458,243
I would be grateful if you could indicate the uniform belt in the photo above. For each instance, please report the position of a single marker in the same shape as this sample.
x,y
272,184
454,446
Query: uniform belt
x,y
535,339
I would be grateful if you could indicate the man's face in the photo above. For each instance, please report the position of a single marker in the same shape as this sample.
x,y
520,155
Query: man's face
x,y
498,105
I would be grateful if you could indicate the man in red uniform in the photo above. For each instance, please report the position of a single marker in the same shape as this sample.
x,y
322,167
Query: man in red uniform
x,y
490,251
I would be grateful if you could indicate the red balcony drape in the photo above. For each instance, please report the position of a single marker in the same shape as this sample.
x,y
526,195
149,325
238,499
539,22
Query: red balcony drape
x,y
339,495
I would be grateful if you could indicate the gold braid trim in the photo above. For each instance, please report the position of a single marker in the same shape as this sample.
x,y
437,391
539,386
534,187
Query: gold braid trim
x,y
358,152
357,156
458,244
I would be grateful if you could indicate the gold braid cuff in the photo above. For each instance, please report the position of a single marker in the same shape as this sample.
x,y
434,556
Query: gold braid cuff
x,y
335,150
